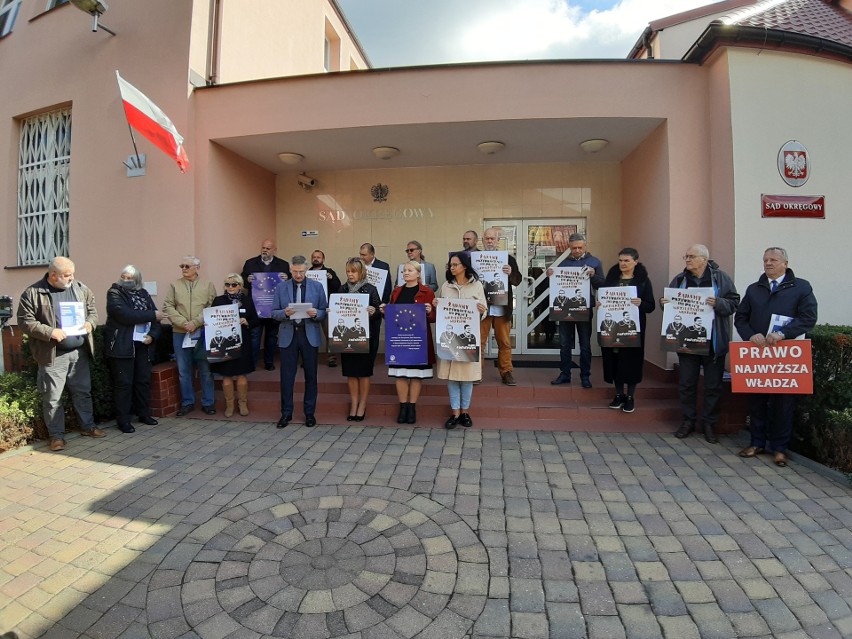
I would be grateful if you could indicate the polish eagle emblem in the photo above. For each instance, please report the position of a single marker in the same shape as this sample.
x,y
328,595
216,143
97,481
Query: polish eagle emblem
x,y
795,164
380,192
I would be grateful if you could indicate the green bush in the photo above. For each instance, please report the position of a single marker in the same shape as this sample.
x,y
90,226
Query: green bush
x,y
824,425
20,411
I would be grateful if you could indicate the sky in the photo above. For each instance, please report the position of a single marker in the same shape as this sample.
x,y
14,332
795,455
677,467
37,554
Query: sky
x,y
398,33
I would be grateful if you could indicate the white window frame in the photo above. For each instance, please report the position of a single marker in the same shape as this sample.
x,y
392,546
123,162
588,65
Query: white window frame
x,y
8,14
44,162
52,4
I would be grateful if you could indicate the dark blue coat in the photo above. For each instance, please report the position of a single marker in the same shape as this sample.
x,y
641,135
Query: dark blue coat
x,y
794,298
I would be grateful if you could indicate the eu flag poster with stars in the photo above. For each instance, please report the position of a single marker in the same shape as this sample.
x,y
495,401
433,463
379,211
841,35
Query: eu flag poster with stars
x,y
406,335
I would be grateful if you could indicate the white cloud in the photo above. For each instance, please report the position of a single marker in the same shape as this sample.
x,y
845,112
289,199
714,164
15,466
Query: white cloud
x,y
557,29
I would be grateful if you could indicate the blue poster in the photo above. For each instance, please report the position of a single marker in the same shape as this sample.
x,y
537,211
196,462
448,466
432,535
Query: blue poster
x,y
263,292
406,335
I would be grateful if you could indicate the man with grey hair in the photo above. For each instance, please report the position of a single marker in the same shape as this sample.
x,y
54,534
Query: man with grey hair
x,y
184,307
702,272
578,257
58,314
777,294
299,336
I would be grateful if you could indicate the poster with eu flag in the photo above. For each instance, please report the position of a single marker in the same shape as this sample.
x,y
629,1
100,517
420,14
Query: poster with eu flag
x,y
406,335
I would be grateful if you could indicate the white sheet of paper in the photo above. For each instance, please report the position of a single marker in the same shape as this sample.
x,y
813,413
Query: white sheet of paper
x,y
190,339
140,331
72,318
301,310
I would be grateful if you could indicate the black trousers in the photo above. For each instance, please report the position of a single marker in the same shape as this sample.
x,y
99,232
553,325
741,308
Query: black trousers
x,y
690,372
131,384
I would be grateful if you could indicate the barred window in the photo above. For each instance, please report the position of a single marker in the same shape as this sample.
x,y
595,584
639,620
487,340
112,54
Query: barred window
x,y
8,13
43,174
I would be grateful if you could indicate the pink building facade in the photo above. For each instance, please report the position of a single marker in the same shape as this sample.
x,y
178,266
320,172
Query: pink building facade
x,y
691,147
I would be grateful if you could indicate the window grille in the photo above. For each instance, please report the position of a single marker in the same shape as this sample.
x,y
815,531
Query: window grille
x,y
43,176
8,13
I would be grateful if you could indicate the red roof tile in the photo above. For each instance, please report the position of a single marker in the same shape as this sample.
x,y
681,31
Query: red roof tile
x,y
815,18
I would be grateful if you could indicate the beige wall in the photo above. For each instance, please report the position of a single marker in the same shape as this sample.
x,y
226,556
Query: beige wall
x,y
272,38
778,97
437,205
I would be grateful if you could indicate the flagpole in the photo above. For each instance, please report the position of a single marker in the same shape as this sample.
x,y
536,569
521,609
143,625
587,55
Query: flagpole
x,y
135,150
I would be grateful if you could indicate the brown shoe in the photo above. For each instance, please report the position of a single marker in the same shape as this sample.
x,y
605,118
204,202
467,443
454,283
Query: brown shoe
x,y
57,444
780,460
509,379
95,432
750,451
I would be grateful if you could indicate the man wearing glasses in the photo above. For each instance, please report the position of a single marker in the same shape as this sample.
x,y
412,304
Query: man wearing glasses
x,y
184,307
702,272
266,262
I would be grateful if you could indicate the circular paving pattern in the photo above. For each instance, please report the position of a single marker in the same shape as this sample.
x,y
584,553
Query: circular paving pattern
x,y
329,561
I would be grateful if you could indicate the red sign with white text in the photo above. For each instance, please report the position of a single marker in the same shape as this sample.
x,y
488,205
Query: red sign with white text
x,y
793,206
784,368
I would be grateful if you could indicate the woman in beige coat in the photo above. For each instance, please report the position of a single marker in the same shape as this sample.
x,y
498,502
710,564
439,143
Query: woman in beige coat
x,y
461,283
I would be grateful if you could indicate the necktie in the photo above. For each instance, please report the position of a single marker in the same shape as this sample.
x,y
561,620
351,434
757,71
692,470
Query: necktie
x,y
774,285
298,298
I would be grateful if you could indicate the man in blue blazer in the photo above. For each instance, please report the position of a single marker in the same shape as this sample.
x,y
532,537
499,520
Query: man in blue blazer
x,y
299,337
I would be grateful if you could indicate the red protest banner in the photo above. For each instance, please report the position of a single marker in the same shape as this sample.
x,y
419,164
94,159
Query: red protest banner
x,y
784,368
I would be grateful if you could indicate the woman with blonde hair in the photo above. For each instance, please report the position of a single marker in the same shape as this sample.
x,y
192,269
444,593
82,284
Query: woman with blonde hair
x,y
358,367
234,371
409,379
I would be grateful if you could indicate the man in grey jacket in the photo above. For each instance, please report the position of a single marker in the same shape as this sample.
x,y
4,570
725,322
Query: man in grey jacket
x,y
58,314
703,272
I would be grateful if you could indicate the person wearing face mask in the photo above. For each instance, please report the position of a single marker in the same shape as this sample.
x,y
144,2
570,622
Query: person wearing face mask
x,y
132,326
62,353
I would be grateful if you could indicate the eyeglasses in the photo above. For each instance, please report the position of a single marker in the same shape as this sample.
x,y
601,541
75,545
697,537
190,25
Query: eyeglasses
x,y
692,257
186,266
452,264
411,250
231,285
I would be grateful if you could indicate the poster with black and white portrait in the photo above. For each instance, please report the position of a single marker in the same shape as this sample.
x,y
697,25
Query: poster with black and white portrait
x,y
348,323
457,330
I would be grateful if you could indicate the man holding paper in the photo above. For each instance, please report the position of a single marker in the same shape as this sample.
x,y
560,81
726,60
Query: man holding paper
x,y
702,272
300,306
778,306
58,314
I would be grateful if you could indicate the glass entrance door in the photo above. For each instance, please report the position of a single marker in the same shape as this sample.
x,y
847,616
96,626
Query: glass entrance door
x,y
536,245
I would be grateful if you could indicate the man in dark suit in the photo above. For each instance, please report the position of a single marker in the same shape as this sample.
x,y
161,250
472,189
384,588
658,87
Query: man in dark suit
x,y
333,286
368,255
266,262
299,337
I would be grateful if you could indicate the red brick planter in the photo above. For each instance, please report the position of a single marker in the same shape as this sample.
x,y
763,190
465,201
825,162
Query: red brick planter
x,y
165,390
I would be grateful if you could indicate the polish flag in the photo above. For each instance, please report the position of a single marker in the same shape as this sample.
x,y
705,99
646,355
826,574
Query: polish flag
x,y
147,118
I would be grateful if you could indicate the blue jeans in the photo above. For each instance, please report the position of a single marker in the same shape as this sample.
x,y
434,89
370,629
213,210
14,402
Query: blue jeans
x,y
185,362
566,345
460,394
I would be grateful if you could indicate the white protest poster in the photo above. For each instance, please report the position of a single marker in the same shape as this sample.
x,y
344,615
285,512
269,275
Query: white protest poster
x,y
489,267
569,294
457,330
377,277
321,276
401,282
348,323
222,336
72,318
687,320
618,317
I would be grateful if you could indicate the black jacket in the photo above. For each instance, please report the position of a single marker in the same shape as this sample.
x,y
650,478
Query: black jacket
x,y
256,265
727,300
122,317
793,298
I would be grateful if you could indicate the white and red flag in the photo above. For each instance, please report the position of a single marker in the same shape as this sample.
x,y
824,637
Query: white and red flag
x,y
149,119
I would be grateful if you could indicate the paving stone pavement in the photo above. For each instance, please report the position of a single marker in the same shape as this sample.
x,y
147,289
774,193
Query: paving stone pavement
x,y
205,530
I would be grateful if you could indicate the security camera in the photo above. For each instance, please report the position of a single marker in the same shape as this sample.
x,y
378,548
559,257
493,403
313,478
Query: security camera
x,y
306,182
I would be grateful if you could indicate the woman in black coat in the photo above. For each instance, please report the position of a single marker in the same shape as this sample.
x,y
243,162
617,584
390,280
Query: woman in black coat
x,y
623,366
234,371
133,323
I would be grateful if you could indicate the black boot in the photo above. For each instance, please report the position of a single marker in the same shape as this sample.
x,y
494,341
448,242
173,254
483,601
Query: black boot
x,y
411,418
403,413
685,429
709,435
